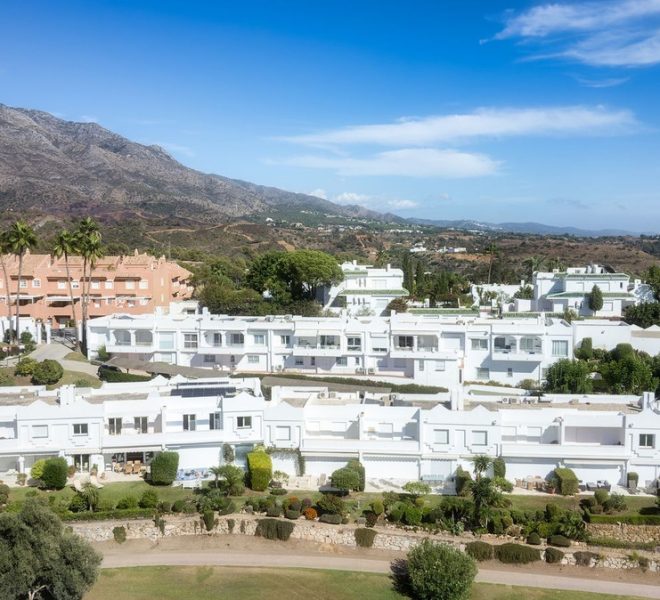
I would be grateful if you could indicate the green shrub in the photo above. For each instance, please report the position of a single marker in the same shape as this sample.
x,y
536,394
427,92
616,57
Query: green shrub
x,y
274,510
516,554
178,506
552,512
552,555
47,372
128,502
627,519
260,470
358,467
345,479
615,503
633,478
332,519
365,537
119,533
412,515
208,518
499,467
479,550
601,496
164,467
584,558
25,367
77,504
55,473
225,506
377,507
112,376
534,539
371,519
329,503
37,470
292,514
438,571
4,494
559,540
396,512
274,529
149,499
503,484
136,513
617,543
279,492
567,481
463,480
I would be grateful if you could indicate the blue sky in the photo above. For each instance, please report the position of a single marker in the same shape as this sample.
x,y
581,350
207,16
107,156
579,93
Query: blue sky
x,y
495,111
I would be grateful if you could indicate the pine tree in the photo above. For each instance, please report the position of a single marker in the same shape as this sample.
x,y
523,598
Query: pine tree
x,y
596,299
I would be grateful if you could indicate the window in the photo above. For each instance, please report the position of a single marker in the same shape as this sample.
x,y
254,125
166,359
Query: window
x,y
259,339
283,434
354,343
61,285
439,365
299,361
559,348
236,339
217,339
190,340
189,423
166,340
509,372
646,440
114,425
75,285
421,365
285,340
479,438
141,424
144,284
108,285
253,359
215,421
36,283
80,429
39,431
441,436
95,285
209,358
341,361
23,283
483,374
244,422
358,361
130,285
405,341
479,344
312,361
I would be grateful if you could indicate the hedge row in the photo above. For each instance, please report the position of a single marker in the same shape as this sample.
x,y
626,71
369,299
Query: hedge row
x,y
274,529
260,469
103,515
119,377
627,519
365,537
567,481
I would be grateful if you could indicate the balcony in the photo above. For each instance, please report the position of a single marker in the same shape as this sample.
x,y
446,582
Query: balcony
x,y
317,350
572,451
389,446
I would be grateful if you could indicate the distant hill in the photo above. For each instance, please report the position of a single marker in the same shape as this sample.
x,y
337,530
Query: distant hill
x,y
62,169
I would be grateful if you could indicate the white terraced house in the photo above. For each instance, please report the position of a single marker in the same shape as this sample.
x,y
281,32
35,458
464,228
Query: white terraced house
x,y
365,290
415,348
397,437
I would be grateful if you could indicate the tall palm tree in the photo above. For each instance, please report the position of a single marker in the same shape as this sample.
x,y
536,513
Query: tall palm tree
x,y
66,244
4,249
88,242
21,238
492,250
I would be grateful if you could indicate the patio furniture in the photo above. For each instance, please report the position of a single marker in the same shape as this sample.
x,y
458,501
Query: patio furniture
x,y
137,465
128,467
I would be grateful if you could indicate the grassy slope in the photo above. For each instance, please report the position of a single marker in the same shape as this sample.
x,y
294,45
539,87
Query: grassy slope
x,y
206,583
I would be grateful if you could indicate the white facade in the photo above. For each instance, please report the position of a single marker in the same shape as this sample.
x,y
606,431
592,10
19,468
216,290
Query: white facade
x,y
365,290
397,437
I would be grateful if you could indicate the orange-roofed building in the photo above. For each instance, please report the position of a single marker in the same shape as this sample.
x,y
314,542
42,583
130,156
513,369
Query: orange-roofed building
x,y
135,284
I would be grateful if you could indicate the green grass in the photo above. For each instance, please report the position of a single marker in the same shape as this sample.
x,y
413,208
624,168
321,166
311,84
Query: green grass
x,y
73,377
221,583
76,356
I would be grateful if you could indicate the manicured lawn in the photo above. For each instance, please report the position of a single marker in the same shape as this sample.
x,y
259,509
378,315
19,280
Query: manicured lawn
x,y
218,583
77,378
75,356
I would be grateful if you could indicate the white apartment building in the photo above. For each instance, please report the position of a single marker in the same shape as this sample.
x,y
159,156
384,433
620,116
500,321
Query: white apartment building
x,y
570,289
365,290
397,437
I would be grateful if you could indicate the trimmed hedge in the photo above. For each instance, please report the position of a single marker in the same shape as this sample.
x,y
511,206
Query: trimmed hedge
x,y
567,481
627,519
516,554
208,518
119,533
559,540
55,473
105,515
292,514
607,542
499,467
345,479
534,539
365,537
164,467
330,518
552,555
274,529
480,550
584,558
260,470
358,467
112,376
462,479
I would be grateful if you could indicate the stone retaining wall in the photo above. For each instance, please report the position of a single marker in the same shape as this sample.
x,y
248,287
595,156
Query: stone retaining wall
x,y
625,532
313,531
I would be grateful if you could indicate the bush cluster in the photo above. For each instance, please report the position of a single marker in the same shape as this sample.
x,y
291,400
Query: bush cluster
x,y
516,554
260,470
479,550
567,481
55,473
365,537
552,555
164,467
274,529
559,540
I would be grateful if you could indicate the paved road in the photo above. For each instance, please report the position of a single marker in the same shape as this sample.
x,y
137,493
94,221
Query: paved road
x,y
352,563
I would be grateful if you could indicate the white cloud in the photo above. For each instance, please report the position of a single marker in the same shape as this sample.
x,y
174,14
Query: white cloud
x,y
176,148
602,83
353,198
89,119
402,204
374,202
614,33
407,162
498,122
319,193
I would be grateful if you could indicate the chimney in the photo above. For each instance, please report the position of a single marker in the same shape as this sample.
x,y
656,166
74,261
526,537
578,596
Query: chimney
x,y
66,395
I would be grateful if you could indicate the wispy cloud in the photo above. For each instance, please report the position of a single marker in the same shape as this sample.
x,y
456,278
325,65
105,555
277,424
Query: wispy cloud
x,y
406,162
89,119
175,148
369,201
608,82
611,33
319,193
484,122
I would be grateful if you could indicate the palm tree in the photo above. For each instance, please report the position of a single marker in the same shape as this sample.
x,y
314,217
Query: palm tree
x,y
485,497
492,250
65,245
481,462
20,238
4,249
216,472
88,242
535,264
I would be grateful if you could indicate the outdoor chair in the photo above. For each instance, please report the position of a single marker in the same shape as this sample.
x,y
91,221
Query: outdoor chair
x,y
128,468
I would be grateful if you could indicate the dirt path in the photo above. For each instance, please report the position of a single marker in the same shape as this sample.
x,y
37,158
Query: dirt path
x,y
239,551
